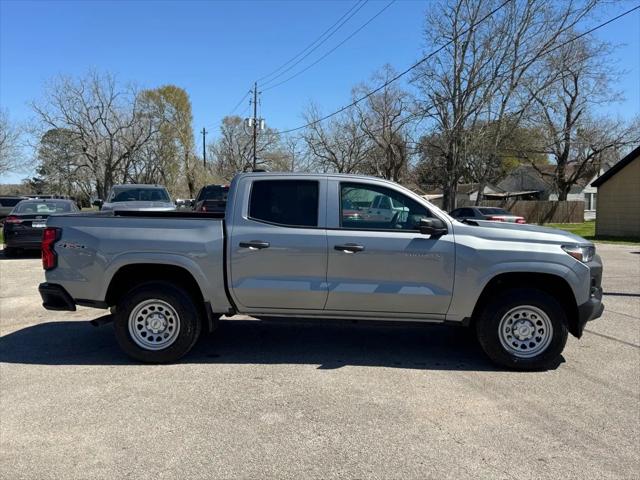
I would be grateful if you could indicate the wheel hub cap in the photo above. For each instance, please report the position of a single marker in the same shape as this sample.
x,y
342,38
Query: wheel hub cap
x,y
525,331
154,324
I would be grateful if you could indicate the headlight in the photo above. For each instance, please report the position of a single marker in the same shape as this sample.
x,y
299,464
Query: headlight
x,y
584,253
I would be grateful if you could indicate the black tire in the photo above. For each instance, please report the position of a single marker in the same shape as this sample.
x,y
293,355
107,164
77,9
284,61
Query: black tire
x,y
10,252
189,321
488,326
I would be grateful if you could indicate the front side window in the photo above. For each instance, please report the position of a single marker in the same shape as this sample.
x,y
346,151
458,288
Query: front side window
x,y
370,207
292,203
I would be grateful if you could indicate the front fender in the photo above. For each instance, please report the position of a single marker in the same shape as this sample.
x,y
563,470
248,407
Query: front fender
x,y
469,285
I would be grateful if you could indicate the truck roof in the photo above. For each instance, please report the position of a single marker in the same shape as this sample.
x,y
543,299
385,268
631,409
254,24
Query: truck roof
x,y
316,175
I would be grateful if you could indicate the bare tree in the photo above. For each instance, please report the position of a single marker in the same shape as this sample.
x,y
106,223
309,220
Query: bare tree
x,y
488,66
296,154
338,145
10,154
383,118
233,150
575,139
104,120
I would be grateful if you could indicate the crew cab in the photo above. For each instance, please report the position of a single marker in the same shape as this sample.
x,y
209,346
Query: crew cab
x,y
285,248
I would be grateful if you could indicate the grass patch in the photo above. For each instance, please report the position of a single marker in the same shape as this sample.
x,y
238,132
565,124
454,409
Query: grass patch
x,y
587,230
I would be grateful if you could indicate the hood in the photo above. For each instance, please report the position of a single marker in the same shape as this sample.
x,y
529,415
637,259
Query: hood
x,y
518,232
140,206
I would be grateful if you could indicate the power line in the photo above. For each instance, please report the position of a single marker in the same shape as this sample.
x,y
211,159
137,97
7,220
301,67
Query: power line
x,y
246,109
573,39
319,41
442,47
239,103
401,74
330,51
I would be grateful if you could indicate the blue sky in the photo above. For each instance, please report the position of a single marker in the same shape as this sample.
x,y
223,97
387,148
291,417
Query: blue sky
x,y
215,50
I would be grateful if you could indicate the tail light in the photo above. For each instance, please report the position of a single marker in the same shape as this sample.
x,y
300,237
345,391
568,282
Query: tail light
x,y
520,220
49,256
496,219
12,219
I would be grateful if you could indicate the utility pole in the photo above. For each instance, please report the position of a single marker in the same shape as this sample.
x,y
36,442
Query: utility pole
x,y
255,123
204,149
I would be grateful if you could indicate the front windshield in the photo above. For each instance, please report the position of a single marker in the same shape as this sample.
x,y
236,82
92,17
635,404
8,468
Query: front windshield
x,y
140,195
43,207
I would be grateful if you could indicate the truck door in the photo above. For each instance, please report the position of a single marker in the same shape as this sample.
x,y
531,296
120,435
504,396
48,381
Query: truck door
x,y
382,263
278,244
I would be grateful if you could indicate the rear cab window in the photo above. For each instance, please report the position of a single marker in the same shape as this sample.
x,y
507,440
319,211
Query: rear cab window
x,y
289,203
44,207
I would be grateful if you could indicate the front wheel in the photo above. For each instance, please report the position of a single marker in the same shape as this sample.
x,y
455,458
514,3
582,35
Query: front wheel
x,y
523,329
157,322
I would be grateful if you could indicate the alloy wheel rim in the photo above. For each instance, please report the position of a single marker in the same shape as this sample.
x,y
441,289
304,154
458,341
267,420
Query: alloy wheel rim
x,y
525,331
154,324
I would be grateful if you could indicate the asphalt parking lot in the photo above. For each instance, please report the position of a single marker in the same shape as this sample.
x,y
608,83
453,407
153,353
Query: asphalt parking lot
x,y
280,399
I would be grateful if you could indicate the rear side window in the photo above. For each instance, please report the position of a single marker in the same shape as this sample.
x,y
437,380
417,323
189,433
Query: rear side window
x,y
291,203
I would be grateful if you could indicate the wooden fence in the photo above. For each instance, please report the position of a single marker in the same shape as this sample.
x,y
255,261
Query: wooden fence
x,y
537,211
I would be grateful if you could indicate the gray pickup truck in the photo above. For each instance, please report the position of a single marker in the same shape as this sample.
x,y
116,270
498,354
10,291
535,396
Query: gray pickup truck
x,y
316,246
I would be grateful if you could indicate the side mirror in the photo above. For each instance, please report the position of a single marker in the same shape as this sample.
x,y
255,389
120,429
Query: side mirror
x,y
433,226
98,203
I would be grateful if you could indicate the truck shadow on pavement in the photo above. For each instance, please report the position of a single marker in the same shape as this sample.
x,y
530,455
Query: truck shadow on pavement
x,y
329,345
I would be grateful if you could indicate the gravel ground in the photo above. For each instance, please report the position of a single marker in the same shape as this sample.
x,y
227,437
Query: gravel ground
x,y
280,399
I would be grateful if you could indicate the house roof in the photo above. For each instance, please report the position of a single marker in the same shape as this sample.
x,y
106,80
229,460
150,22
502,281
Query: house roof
x,y
633,155
525,177
539,178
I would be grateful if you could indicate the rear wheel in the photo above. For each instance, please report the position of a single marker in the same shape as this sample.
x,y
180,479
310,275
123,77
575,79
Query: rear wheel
x,y
524,329
157,322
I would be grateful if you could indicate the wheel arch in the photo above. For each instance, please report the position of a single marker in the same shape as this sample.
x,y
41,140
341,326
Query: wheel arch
x,y
130,275
549,283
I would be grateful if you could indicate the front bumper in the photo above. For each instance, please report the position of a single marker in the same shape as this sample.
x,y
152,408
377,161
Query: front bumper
x,y
55,297
590,310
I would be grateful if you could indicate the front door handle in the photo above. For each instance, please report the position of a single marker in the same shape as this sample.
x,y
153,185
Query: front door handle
x,y
349,248
255,244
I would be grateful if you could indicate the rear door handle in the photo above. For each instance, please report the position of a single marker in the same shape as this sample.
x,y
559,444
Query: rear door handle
x,y
349,248
255,244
